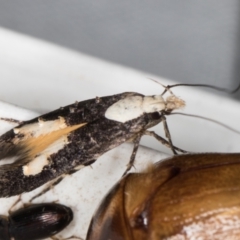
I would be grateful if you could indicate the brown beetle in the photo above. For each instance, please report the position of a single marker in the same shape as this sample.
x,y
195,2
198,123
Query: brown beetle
x,y
194,196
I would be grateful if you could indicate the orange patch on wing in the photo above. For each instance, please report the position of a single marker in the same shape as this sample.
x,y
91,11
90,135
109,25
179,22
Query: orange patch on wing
x,y
36,145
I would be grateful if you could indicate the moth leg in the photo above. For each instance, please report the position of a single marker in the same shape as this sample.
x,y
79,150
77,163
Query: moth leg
x,y
136,142
11,120
52,184
48,188
168,135
14,204
163,141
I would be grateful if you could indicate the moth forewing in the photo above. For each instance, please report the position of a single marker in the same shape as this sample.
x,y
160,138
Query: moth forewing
x,y
58,142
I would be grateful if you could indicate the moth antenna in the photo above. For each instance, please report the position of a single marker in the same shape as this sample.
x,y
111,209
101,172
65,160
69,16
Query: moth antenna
x,y
207,86
208,119
168,87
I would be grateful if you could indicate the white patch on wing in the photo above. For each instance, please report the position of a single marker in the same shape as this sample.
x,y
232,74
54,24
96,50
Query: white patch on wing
x,y
8,160
154,103
133,107
35,166
41,160
41,127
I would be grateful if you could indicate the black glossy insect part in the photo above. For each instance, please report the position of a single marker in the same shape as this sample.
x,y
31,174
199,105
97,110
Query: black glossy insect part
x,y
37,221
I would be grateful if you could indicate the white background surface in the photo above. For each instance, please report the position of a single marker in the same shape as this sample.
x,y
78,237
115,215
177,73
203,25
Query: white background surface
x,y
42,77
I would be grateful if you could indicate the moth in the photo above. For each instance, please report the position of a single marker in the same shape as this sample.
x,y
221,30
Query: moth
x,y
35,221
62,141
192,196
